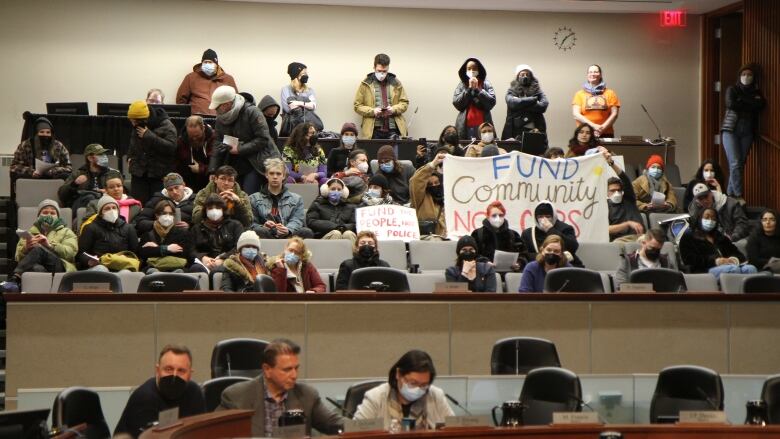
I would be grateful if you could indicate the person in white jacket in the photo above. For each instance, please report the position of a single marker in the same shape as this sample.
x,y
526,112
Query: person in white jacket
x,y
409,393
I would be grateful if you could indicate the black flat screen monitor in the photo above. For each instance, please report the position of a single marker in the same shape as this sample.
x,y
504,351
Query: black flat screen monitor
x,y
176,110
112,109
24,424
73,108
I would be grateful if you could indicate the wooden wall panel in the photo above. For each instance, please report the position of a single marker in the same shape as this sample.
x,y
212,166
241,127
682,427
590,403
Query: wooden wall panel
x,y
761,44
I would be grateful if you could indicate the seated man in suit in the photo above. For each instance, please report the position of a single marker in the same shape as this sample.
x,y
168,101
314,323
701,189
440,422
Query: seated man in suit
x,y
170,387
277,390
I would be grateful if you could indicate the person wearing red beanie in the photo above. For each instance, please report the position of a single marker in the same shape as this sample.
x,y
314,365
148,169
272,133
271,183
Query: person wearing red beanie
x,y
654,192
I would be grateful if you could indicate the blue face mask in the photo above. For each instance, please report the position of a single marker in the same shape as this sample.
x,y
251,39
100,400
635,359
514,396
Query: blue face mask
x,y
334,196
412,394
208,69
387,167
102,161
374,193
291,258
249,253
708,224
655,172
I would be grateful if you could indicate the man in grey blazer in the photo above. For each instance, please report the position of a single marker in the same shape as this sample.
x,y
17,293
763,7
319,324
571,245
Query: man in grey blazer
x,y
277,390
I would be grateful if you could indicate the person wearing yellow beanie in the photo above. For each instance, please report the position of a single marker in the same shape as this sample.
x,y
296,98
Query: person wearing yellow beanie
x,y
138,110
152,149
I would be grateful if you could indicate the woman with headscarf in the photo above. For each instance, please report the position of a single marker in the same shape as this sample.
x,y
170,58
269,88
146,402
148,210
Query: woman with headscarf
x,y
474,97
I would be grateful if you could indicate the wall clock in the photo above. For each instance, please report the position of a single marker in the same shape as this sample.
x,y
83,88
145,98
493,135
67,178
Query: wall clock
x,y
564,38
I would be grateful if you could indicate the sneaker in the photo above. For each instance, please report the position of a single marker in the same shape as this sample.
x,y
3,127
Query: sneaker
x,y
9,287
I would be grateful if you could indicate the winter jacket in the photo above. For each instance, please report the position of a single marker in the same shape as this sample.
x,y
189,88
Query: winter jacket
x,y
176,235
133,208
525,109
212,241
100,237
290,209
742,105
644,195
241,211
309,275
196,89
630,263
427,209
485,282
365,103
560,228
153,155
265,103
532,279
348,266
236,278
255,143
323,217
490,239
23,163
70,192
398,182
62,241
144,221
761,248
732,220
699,254
483,98
187,153
626,210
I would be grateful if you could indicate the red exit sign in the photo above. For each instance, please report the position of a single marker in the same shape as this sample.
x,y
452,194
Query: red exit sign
x,y
674,18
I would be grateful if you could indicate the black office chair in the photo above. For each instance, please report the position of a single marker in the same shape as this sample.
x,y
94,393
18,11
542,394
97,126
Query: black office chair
x,y
355,395
519,355
664,280
212,389
761,284
547,390
770,394
168,283
573,280
265,284
685,388
79,405
380,279
90,276
238,357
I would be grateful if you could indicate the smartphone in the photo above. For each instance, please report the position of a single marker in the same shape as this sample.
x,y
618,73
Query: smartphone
x,y
23,234
177,216
423,141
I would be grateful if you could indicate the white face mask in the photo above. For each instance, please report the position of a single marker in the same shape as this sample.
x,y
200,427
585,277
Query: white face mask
x,y
487,137
472,74
214,214
616,197
708,174
380,76
362,167
209,69
348,141
496,221
746,79
165,220
110,216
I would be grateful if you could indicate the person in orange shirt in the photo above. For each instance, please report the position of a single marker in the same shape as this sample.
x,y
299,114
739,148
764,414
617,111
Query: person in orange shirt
x,y
596,105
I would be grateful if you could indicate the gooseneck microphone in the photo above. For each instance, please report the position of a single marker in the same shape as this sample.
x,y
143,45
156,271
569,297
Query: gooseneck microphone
x,y
454,401
658,130
585,404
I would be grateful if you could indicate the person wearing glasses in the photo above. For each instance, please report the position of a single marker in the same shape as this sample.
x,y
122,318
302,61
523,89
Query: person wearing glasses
x,y
409,393
237,204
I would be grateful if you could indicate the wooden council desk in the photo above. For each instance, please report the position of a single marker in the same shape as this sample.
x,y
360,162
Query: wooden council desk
x,y
104,340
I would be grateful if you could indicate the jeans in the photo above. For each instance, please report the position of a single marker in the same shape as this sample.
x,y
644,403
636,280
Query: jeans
x,y
736,144
252,182
731,268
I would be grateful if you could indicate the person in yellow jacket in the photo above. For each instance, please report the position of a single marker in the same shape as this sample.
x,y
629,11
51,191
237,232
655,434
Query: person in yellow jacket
x,y
49,247
381,100
427,197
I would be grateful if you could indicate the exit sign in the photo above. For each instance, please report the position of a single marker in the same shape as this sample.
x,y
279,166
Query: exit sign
x,y
674,18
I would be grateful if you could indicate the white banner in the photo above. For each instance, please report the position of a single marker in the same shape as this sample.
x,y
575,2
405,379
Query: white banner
x,y
577,187
389,222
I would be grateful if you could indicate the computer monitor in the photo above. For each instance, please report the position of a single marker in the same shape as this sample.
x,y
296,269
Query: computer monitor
x,y
175,110
112,109
73,108
24,424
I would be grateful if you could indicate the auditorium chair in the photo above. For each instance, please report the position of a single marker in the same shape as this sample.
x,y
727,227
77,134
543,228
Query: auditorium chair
x,y
547,390
355,395
212,389
685,388
237,357
733,283
513,281
394,253
168,283
600,256
761,284
328,254
386,279
573,280
519,355
424,282
664,280
89,276
701,282
79,405
31,191
770,394
431,255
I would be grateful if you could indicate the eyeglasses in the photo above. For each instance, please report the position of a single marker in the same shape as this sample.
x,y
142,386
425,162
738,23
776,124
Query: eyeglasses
x,y
224,179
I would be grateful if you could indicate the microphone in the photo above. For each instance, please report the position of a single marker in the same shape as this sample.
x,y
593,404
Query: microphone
x,y
585,404
339,406
660,137
411,118
454,401
710,401
563,286
227,354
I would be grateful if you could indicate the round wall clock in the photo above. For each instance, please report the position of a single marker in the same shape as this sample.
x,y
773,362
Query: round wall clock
x,y
564,38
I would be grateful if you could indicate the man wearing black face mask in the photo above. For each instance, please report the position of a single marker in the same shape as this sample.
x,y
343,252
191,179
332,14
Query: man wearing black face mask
x,y
427,197
649,256
170,387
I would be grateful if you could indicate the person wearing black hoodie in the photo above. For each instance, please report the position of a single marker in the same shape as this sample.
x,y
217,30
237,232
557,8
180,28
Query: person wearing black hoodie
x,y
474,97
526,104
194,148
270,109
152,149
365,253
547,224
